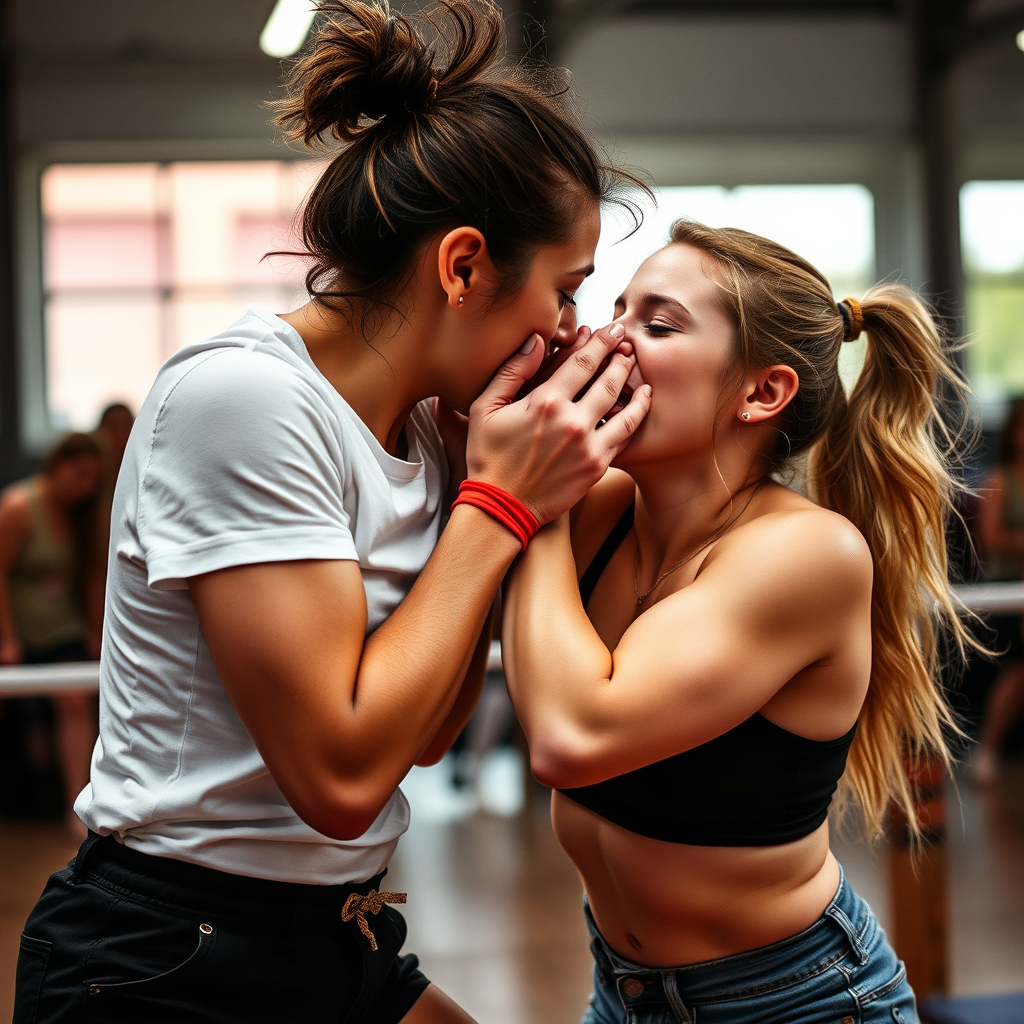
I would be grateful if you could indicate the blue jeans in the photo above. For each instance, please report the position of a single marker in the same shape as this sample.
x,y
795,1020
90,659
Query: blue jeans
x,y
841,970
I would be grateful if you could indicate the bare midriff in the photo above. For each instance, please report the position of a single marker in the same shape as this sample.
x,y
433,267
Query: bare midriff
x,y
667,904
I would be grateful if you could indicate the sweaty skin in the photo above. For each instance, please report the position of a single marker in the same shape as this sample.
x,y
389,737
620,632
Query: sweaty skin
x,y
773,617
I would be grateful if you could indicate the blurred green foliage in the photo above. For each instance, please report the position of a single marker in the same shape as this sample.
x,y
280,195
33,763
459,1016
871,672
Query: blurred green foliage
x,y
995,327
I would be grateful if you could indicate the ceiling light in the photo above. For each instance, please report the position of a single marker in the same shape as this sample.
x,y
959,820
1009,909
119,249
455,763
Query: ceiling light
x,y
1020,39
287,27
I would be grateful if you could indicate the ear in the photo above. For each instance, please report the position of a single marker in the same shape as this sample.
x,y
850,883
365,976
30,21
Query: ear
x,y
767,393
463,264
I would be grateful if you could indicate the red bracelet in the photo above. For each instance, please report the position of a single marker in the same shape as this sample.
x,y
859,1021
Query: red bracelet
x,y
500,505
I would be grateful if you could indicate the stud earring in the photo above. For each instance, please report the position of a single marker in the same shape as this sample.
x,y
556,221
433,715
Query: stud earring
x,y
462,299
744,415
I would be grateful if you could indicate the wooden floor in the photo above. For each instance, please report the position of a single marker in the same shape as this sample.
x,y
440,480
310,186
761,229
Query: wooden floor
x,y
494,909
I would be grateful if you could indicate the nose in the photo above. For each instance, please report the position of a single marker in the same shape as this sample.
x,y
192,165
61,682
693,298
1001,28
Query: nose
x,y
636,376
565,334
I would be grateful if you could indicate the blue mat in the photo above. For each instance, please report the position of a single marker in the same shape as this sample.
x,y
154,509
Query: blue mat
x,y
1005,1009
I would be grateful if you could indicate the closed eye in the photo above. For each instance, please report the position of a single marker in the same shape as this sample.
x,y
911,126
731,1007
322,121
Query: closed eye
x,y
566,298
659,330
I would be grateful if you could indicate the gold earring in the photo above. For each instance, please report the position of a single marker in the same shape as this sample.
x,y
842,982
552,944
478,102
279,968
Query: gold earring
x,y
744,415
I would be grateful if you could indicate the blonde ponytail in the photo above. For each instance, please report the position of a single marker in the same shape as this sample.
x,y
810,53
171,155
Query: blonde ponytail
x,y
884,459
884,462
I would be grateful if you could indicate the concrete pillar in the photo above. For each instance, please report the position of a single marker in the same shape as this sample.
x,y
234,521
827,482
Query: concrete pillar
x,y
899,217
936,24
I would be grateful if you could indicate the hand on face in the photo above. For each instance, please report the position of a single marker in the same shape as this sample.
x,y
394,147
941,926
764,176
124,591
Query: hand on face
x,y
549,449
557,354
454,430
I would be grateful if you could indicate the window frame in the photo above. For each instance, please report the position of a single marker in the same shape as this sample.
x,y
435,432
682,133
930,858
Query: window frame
x,y
35,427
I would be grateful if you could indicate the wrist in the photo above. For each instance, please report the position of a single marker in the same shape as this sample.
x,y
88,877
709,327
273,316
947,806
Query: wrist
x,y
483,535
505,508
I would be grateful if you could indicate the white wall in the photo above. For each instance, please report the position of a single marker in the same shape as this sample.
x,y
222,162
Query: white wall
x,y
746,74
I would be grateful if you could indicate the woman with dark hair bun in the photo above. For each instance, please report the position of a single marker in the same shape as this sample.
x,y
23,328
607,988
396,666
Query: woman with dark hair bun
x,y
287,631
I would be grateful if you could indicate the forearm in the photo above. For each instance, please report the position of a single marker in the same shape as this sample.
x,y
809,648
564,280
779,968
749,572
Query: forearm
x,y
413,667
556,665
466,701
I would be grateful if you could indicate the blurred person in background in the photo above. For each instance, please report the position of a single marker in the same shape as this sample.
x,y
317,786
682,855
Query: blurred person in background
x,y
1001,534
47,535
111,433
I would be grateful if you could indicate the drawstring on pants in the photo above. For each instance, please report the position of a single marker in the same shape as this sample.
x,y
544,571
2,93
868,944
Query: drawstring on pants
x,y
358,906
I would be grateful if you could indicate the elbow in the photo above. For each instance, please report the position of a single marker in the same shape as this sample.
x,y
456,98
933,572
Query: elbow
x,y
431,756
341,823
344,814
563,762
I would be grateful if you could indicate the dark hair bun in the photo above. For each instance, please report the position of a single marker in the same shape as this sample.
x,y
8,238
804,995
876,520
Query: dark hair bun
x,y
436,130
366,63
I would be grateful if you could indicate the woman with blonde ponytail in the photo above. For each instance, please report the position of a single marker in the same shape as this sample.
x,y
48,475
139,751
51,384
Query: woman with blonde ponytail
x,y
702,658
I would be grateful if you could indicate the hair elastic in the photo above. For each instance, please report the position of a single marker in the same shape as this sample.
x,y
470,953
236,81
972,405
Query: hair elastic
x,y
500,505
853,319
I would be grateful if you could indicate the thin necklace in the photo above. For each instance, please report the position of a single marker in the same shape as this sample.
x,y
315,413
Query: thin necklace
x,y
717,535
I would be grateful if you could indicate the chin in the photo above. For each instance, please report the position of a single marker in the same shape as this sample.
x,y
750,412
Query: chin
x,y
634,450
626,458
458,400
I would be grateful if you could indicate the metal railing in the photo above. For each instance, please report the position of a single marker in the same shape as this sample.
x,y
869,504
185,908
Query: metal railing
x,y
78,677
84,676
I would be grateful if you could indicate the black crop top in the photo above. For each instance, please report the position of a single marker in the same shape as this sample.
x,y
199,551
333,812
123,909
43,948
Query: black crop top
x,y
755,785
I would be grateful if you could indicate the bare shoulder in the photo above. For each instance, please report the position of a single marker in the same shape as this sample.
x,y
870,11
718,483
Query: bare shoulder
x,y
593,518
14,505
811,558
15,522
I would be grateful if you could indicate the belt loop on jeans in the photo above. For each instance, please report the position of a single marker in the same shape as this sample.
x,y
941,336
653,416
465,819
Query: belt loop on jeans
x,y
78,864
841,919
605,971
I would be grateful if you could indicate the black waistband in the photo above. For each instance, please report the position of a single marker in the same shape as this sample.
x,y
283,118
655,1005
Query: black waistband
x,y
194,889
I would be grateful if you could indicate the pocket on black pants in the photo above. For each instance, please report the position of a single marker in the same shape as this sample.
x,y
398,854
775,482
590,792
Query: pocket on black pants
x,y
140,992
33,959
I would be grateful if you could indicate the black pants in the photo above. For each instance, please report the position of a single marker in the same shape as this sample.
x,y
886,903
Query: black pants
x,y
119,936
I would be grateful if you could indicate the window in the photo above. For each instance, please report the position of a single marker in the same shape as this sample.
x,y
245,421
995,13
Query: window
x,y
832,226
143,259
992,229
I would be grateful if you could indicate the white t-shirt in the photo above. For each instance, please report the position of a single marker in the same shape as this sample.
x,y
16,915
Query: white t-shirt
x,y
242,453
